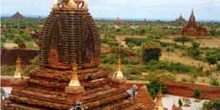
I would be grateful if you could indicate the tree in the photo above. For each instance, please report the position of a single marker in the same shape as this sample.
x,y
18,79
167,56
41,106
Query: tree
x,y
151,51
18,40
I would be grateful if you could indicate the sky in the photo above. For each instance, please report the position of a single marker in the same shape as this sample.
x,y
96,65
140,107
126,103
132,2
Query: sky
x,y
205,10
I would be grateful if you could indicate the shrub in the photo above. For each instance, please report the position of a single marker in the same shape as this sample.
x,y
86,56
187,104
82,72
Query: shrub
x,y
137,41
212,56
194,51
218,67
180,103
214,82
154,86
196,93
211,105
178,67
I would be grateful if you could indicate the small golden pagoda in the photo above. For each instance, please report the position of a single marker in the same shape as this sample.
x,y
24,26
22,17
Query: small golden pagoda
x,y
18,71
159,103
74,82
118,74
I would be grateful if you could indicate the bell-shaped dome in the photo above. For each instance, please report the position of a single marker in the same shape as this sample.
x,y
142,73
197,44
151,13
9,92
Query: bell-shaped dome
x,y
70,36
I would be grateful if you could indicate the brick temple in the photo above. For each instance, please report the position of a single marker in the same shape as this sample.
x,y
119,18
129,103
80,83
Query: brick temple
x,y
180,19
192,28
17,16
69,76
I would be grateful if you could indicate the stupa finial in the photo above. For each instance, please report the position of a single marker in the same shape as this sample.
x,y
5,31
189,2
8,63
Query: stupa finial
x,y
192,17
71,4
18,71
74,82
159,103
55,5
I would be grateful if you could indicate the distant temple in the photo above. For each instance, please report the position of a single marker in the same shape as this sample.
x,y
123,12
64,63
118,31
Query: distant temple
x,y
17,16
69,76
180,19
192,29
145,21
118,23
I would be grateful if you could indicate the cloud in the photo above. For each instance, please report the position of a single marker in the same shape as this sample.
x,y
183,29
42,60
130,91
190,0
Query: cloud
x,y
152,9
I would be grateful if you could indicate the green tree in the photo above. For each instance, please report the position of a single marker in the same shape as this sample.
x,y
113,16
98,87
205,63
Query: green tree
x,y
150,51
18,40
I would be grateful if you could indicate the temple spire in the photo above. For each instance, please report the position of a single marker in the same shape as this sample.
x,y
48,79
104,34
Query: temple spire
x,y
18,71
74,82
159,104
192,17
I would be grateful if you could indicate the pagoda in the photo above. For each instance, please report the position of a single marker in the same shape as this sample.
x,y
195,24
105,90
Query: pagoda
x,y
17,16
192,29
69,76
180,19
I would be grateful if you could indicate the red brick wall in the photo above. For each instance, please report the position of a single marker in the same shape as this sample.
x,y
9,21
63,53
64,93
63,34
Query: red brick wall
x,y
8,57
187,89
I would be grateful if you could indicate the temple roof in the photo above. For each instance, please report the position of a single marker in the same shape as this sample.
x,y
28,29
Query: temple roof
x,y
17,16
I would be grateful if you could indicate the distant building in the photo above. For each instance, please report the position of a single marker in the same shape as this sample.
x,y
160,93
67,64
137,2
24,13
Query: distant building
x,y
17,16
145,21
180,19
118,23
192,29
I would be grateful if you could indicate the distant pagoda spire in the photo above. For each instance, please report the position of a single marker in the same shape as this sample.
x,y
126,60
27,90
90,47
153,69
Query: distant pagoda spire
x,y
18,71
158,103
192,18
74,82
